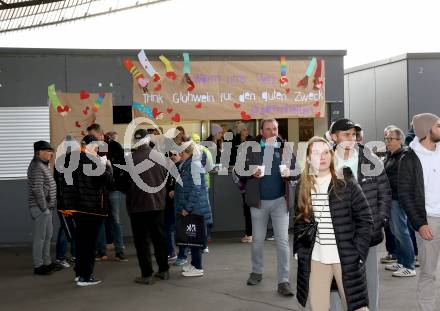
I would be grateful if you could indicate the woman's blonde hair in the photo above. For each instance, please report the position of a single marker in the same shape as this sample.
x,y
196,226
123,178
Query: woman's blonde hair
x,y
308,179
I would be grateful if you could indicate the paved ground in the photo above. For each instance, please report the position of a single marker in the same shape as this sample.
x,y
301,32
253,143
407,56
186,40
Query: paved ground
x,y
222,288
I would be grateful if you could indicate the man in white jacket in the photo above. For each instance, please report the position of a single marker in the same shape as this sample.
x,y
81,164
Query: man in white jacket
x,y
419,179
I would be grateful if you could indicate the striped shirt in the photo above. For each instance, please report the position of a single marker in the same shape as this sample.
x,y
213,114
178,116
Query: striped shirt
x,y
325,249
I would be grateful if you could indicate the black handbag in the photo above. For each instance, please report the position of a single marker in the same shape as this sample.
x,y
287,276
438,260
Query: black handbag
x,y
190,230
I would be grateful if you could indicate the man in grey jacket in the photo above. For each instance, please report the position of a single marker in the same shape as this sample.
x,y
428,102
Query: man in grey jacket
x,y
42,201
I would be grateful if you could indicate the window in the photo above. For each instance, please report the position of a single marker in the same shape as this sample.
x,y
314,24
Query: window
x,y
20,127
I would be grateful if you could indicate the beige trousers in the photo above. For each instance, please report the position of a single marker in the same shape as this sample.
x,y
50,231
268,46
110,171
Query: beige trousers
x,y
321,277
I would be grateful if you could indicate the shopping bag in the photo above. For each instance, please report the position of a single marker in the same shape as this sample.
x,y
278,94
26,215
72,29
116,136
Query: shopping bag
x,y
190,230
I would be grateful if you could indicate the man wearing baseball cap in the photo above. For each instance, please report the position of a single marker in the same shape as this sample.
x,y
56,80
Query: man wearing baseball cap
x,y
419,177
353,158
42,197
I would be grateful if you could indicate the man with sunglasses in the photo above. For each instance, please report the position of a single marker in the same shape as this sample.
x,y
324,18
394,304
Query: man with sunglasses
x,y
404,249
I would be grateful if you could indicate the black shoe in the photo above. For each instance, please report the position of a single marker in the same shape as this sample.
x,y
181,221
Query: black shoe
x,y
42,270
54,267
120,257
254,278
165,275
285,290
144,280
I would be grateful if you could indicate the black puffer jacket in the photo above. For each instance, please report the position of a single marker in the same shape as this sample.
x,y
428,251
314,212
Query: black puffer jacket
x,y
411,189
353,224
86,195
391,163
377,191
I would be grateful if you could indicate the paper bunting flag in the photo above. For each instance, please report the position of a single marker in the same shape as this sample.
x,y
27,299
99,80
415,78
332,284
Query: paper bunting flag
x,y
170,73
56,104
317,81
143,59
186,67
98,102
186,72
304,82
137,75
283,78
143,109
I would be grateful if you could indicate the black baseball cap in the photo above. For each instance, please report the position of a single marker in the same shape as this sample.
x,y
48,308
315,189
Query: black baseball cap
x,y
88,139
140,133
344,125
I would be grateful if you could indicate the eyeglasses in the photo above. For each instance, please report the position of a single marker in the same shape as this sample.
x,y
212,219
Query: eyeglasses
x,y
390,138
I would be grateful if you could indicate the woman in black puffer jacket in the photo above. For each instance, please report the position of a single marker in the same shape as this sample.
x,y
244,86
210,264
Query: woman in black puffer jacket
x,y
339,246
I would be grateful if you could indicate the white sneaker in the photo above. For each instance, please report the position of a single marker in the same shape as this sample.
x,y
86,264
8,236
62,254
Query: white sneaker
x,y
193,272
404,272
63,263
187,268
393,267
91,281
76,278
206,250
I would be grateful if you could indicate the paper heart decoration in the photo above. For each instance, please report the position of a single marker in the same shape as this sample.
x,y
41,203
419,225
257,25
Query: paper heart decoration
x,y
284,80
156,77
190,88
77,124
169,109
171,74
287,90
199,105
316,104
158,87
318,114
155,112
176,118
84,95
245,116
142,82
86,110
237,105
63,110
317,84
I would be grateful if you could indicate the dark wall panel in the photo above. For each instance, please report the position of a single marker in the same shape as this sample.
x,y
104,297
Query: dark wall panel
x,y
25,79
424,86
100,74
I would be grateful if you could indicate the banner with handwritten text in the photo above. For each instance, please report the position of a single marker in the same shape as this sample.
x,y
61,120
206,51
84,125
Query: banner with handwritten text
x,y
224,90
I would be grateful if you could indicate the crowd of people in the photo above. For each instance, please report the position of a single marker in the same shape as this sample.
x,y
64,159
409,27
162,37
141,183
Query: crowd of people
x,y
345,202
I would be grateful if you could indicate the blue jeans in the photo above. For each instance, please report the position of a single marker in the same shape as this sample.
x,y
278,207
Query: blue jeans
x,y
404,244
116,200
196,257
62,239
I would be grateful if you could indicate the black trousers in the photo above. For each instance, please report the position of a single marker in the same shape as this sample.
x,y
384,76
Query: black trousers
x,y
247,216
87,229
148,227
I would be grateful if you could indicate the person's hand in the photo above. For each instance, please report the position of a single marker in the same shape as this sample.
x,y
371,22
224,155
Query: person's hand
x,y
108,163
171,194
184,213
426,233
257,173
285,173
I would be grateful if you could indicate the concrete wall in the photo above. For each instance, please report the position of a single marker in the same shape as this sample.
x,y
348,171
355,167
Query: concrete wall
x,y
26,73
